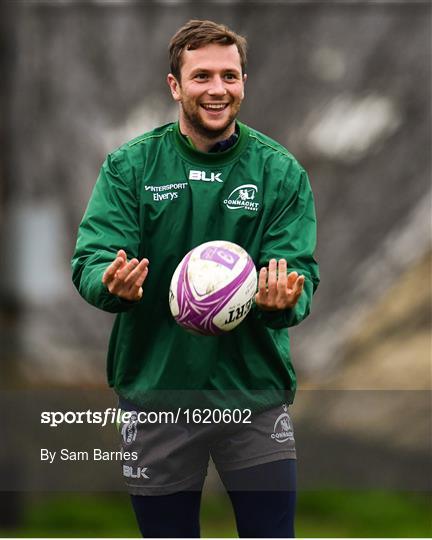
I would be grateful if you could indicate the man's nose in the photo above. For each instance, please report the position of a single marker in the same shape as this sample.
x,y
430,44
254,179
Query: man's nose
x,y
217,87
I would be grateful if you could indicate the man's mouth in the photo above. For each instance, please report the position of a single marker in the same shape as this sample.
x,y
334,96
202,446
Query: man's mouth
x,y
214,106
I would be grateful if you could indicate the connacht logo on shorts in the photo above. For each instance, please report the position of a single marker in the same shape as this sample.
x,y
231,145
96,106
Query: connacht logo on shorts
x,y
243,197
282,430
129,429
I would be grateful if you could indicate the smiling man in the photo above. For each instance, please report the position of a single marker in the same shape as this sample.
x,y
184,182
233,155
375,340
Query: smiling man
x,y
206,177
209,87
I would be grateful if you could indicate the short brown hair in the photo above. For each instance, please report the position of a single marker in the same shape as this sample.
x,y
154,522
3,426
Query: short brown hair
x,y
195,34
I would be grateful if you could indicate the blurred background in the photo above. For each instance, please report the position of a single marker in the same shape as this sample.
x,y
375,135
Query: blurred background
x,y
346,87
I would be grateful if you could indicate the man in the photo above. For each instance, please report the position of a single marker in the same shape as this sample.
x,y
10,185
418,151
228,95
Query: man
x,y
156,198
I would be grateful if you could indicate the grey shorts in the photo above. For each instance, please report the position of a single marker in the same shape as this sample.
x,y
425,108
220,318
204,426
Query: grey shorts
x,y
164,458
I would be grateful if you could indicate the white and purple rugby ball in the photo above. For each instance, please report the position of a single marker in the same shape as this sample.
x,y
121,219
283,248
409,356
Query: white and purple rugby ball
x,y
213,287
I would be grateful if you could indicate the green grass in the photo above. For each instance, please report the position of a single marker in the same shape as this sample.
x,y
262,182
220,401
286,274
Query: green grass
x,y
319,513
364,514
75,515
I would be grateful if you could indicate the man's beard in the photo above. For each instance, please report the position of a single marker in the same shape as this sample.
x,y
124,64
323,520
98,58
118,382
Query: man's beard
x,y
194,120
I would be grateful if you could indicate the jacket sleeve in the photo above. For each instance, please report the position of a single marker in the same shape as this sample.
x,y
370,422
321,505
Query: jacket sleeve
x,y
291,234
110,223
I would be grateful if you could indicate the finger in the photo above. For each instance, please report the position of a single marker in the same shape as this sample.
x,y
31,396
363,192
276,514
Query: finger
x,y
296,292
291,280
136,289
118,262
261,296
282,276
112,269
141,278
127,268
132,277
133,294
122,253
272,279
298,288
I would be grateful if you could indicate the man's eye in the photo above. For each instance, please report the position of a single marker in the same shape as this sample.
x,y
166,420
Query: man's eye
x,y
201,76
230,76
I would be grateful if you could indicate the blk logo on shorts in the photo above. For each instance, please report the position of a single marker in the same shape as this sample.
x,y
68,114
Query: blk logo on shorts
x,y
139,472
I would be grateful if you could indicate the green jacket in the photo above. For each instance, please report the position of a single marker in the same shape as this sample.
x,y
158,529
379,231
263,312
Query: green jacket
x,y
158,197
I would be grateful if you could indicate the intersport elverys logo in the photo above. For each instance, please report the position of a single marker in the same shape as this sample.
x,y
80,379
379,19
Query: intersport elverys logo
x,y
243,198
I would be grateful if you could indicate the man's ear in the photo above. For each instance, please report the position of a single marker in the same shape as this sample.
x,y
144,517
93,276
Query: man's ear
x,y
174,87
244,82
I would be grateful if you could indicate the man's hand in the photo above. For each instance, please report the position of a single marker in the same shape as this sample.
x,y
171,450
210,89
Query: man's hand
x,y
276,289
125,279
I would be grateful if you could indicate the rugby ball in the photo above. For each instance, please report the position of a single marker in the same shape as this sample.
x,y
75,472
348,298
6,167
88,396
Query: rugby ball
x,y
213,287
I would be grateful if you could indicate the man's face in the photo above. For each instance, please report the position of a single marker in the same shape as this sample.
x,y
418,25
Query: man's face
x,y
211,89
